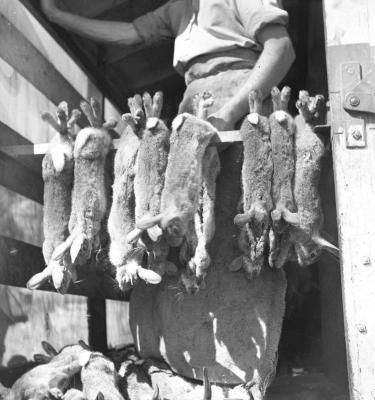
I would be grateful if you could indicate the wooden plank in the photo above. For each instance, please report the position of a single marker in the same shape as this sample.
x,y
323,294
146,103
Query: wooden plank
x,y
41,148
20,179
20,261
60,320
97,323
20,217
57,40
8,137
39,37
348,40
19,53
118,329
21,104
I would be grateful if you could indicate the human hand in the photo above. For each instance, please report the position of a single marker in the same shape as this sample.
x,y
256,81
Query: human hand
x,y
49,7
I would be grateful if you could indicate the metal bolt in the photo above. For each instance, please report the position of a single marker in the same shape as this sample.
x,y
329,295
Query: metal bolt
x,y
366,261
354,101
357,134
362,328
350,70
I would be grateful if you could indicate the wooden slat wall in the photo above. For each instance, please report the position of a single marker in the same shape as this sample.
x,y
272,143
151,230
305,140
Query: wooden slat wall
x,y
58,319
20,217
350,39
36,73
35,33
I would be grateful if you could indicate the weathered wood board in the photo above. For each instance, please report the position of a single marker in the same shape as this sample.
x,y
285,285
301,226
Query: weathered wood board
x,y
38,37
350,40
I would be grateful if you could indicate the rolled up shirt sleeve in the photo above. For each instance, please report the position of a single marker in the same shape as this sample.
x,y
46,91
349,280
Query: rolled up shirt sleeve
x,y
256,14
160,24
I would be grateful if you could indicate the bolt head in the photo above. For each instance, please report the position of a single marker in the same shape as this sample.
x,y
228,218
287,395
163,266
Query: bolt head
x,y
354,101
362,329
366,261
357,135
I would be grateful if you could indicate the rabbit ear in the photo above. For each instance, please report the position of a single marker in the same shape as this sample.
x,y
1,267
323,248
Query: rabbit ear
x,y
100,396
41,358
39,279
331,248
83,344
149,222
80,245
155,395
242,219
149,276
49,119
236,264
49,349
134,235
61,277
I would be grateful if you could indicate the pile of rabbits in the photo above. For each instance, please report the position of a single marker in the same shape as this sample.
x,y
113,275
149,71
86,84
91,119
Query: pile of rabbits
x,y
78,373
164,189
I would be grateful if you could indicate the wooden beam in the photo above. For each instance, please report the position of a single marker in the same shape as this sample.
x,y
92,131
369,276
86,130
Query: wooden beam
x,y
21,104
20,179
350,47
8,137
50,47
65,41
19,261
20,54
41,148
97,324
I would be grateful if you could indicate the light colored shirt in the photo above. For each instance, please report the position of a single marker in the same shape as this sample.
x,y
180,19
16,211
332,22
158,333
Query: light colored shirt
x,y
209,26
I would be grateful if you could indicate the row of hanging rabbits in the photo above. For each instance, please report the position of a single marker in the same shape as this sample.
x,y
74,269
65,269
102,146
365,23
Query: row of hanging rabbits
x,y
163,193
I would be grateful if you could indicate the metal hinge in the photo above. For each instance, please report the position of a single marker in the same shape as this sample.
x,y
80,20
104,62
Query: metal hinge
x,y
361,98
357,98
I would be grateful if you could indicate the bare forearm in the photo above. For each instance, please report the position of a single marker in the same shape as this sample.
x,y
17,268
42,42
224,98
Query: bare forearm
x,y
122,33
271,67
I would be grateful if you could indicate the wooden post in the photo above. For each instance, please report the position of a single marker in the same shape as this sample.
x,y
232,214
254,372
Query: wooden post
x,y
350,41
97,324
